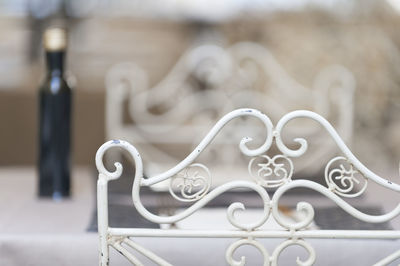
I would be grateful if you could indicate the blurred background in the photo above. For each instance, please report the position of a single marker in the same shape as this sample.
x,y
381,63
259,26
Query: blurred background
x,y
302,36
160,73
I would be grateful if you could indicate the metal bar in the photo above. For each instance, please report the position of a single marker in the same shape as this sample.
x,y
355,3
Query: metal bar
x,y
146,252
127,254
337,234
102,220
388,259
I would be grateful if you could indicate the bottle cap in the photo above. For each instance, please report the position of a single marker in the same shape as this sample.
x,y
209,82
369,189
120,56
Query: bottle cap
x,y
55,39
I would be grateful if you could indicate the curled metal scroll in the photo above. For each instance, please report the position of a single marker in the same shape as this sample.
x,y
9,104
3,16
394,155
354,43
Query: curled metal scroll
x,y
271,172
193,183
343,181
269,259
251,242
292,242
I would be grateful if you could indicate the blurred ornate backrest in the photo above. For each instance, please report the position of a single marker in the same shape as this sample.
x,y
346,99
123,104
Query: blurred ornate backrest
x,y
190,182
207,82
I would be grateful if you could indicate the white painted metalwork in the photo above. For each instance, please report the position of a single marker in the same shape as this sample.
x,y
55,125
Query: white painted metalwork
x,y
179,108
345,176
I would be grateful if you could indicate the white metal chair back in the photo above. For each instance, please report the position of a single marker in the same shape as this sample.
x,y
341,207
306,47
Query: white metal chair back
x,y
190,182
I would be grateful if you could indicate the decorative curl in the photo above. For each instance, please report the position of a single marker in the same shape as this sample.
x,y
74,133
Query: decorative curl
x,y
251,242
267,259
193,183
343,181
271,172
238,206
103,172
298,242
302,206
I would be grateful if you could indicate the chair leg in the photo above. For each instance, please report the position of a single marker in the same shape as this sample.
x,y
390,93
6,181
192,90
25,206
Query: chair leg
x,y
104,257
102,221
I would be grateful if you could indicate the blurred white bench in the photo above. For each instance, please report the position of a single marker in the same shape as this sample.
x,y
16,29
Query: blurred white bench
x,y
272,230
167,120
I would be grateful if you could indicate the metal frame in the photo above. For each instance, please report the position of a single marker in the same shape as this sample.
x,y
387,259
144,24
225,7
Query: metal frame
x,y
345,176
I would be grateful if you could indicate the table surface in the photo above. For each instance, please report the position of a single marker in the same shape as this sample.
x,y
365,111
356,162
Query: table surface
x,y
23,213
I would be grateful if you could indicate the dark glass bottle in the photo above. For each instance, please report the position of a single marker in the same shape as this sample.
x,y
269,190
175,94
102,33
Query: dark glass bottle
x,y
55,120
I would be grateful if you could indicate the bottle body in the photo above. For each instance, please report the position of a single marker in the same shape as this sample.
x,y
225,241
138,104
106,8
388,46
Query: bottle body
x,y
55,99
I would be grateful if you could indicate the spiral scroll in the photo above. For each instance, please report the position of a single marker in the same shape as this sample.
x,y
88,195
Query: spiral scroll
x,y
344,181
298,242
269,259
271,172
193,183
251,242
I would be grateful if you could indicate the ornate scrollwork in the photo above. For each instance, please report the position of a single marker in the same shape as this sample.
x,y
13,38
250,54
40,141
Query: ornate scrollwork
x,y
236,206
193,183
344,181
351,158
251,242
271,172
308,209
273,133
291,242
273,259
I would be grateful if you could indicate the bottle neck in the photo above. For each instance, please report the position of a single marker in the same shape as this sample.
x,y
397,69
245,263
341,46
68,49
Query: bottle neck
x,y
55,63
